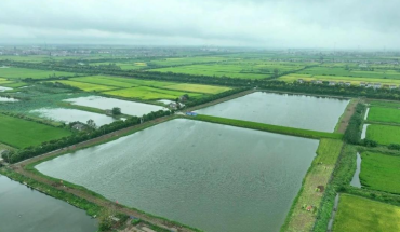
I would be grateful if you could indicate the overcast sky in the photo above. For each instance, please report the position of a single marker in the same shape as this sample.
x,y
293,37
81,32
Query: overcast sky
x,y
263,23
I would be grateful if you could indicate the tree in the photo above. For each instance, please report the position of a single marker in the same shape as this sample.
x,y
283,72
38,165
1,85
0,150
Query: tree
x,y
276,72
116,111
91,124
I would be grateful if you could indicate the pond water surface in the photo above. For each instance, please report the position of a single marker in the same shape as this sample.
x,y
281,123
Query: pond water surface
x,y
166,101
3,88
8,99
106,103
308,112
355,181
209,176
364,131
73,115
26,210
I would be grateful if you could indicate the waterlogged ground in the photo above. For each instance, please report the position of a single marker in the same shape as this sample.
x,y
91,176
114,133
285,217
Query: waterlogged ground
x,y
210,176
3,88
22,209
7,99
106,103
72,115
308,112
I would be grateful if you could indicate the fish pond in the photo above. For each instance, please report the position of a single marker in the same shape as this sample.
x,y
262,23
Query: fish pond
x,y
300,111
23,209
209,176
72,115
106,103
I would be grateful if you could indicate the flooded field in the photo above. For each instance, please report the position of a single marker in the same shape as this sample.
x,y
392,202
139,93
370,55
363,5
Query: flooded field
x,y
106,103
8,99
166,101
3,88
23,209
72,115
209,176
355,181
314,113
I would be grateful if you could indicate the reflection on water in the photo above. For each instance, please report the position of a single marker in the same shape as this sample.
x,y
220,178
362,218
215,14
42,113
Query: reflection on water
x,y
308,112
24,210
73,115
355,182
3,88
106,103
202,174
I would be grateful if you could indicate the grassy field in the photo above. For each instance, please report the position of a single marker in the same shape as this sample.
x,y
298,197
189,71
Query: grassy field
x,y
208,89
321,169
384,114
121,82
380,172
267,127
383,134
15,73
353,80
356,214
89,87
20,133
352,72
148,93
217,70
387,103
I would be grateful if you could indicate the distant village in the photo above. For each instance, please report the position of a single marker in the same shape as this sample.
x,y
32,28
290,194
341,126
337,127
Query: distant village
x,y
363,84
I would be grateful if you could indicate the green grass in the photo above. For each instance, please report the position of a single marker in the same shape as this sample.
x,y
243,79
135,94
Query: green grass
x,y
15,73
20,133
382,103
208,89
121,82
384,114
89,87
356,214
319,173
380,172
147,93
384,134
217,70
352,72
267,127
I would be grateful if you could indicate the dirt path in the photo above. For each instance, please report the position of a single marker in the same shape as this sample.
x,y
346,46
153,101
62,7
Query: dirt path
x,y
349,111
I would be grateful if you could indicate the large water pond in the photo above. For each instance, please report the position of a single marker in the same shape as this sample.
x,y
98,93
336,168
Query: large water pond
x,y
22,209
209,176
308,112
3,88
106,103
73,115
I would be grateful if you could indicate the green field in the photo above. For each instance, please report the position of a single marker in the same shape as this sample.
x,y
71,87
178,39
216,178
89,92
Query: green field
x,y
380,172
20,133
22,73
88,87
208,89
121,82
384,114
352,72
384,134
148,93
383,103
358,214
217,70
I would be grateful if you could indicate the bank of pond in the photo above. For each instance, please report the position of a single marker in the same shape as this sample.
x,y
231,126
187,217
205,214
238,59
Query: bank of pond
x,y
24,209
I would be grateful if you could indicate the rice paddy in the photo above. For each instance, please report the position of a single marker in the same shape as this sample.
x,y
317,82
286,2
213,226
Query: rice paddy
x,y
22,73
384,114
383,134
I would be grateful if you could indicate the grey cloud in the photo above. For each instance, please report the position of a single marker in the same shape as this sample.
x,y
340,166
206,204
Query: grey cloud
x,y
254,23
